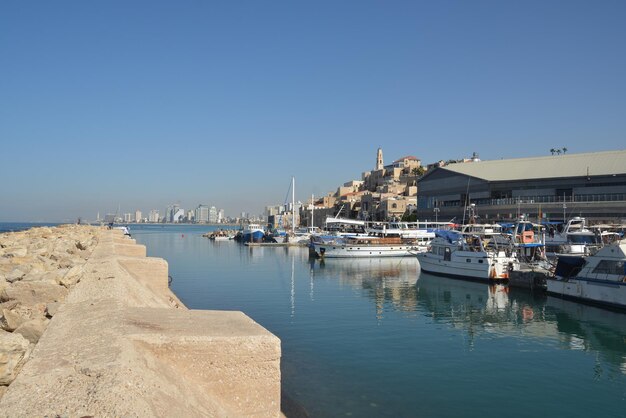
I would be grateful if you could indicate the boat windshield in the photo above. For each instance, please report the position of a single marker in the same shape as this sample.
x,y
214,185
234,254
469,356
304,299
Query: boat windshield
x,y
583,239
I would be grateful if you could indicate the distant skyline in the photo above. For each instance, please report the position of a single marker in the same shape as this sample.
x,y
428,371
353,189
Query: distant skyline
x,y
147,103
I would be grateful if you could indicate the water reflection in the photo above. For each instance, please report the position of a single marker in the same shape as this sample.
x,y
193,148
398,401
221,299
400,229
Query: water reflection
x,y
385,280
588,328
478,308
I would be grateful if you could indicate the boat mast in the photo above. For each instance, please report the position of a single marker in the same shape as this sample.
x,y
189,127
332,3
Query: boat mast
x,y
312,208
293,204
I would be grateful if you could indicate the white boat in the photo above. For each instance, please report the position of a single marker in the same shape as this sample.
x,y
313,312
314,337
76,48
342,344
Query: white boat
x,y
478,251
344,227
220,235
596,279
349,247
574,240
408,230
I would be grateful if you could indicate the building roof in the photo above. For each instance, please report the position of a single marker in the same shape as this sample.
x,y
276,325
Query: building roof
x,y
603,163
408,157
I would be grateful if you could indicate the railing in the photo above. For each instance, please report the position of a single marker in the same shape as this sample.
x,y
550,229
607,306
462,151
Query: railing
x,y
512,201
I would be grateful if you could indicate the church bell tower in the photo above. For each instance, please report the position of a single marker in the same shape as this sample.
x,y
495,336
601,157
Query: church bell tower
x,y
379,159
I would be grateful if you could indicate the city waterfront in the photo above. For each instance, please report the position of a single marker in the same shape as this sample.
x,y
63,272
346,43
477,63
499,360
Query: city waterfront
x,y
375,337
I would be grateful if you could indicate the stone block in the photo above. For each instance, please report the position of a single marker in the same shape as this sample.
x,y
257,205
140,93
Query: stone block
x,y
14,350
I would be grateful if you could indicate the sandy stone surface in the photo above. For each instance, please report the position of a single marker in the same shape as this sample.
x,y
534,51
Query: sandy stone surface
x,y
37,269
91,328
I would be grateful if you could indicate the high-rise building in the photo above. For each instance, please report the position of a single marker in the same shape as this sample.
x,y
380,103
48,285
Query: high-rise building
x,y
128,217
220,216
202,214
137,215
178,215
154,216
213,215
190,216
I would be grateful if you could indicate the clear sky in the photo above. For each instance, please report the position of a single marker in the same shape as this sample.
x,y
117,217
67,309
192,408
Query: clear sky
x,y
146,103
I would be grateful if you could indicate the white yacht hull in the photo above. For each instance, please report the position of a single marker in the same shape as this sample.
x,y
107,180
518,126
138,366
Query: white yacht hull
x,y
600,292
334,250
466,264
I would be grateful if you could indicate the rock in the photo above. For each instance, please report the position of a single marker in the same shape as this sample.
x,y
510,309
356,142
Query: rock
x,y
15,275
32,293
33,277
81,246
14,351
72,277
52,308
33,329
10,320
3,390
16,252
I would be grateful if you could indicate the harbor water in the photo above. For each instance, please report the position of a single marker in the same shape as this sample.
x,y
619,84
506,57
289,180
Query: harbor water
x,y
376,337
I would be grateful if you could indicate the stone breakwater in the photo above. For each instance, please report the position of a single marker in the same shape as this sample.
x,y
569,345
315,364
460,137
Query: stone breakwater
x,y
90,328
38,267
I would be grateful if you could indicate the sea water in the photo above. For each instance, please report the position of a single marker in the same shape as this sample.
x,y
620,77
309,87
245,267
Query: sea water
x,y
376,337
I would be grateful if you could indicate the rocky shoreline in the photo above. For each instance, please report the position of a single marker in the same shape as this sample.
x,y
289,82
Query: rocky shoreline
x,y
38,267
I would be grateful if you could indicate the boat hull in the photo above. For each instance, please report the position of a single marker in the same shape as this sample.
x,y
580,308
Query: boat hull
x,y
253,236
334,250
610,294
477,268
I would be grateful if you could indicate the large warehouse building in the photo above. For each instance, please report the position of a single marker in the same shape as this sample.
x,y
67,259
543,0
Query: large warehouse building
x,y
592,185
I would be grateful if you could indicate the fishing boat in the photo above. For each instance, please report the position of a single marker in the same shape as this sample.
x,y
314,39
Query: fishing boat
x,y
252,233
597,279
533,267
477,251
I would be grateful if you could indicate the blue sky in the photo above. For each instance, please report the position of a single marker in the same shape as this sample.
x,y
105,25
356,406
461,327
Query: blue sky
x,y
147,103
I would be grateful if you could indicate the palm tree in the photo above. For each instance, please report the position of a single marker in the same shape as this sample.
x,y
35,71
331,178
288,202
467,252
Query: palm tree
x,y
558,151
552,150
564,150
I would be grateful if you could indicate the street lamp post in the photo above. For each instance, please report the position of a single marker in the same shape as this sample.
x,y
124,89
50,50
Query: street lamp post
x,y
436,210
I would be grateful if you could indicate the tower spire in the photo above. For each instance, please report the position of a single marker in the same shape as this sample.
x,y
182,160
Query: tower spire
x,y
379,159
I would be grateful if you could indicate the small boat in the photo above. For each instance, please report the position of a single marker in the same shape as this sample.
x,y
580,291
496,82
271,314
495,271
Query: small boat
x,y
220,235
598,279
478,252
252,233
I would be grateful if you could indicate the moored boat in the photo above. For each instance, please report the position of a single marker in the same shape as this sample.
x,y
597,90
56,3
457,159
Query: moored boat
x,y
252,233
347,247
478,252
575,239
597,279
